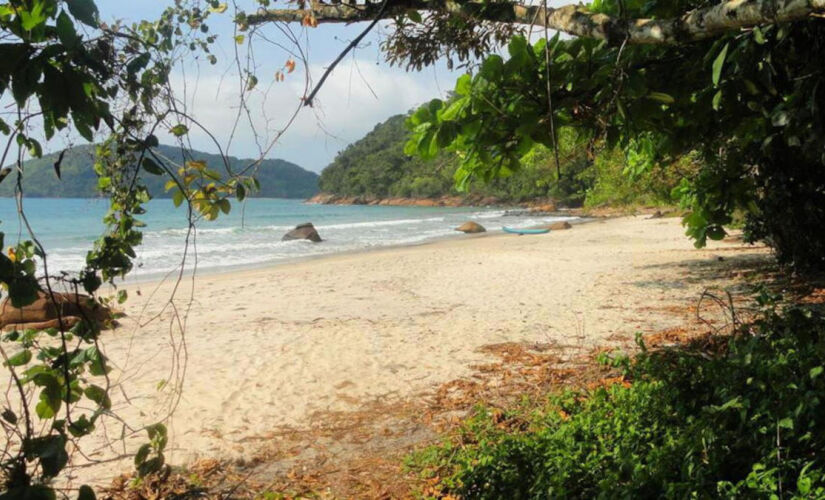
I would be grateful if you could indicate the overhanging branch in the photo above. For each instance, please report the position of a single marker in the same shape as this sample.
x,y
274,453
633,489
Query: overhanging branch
x,y
572,19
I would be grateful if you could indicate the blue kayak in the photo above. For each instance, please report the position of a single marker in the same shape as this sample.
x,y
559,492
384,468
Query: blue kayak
x,y
524,231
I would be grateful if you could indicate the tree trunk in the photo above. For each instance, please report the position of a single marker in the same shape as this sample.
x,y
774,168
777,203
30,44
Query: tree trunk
x,y
575,20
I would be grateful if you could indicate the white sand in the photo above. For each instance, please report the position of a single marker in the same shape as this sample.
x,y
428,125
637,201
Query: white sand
x,y
269,347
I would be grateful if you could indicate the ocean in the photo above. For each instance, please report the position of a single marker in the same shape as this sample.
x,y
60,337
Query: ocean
x,y
250,236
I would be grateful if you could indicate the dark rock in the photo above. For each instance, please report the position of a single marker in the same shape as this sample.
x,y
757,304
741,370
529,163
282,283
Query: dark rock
x,y
305,231
471,227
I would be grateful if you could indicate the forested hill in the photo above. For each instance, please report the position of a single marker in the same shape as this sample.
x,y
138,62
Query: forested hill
x,y
376,168
278,178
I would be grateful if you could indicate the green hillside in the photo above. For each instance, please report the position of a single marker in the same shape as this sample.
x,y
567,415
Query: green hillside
x,y
278,178
376,167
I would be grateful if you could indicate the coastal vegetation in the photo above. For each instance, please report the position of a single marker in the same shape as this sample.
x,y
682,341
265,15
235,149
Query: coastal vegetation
x,y
718,104
277,178
736,416
734,89
64,72
377,167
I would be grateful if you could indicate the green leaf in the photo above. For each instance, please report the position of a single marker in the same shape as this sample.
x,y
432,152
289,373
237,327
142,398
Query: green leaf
x,y
177,198
23,291
758,36
451,112
51,450
785,423
84,11
224,206
816,371
31,18
21,358
86,493
414,16
717,100
179,130
66,32
240,192
142,454
517,47
98,365
152,167
464,85
661,97
718,64
35,492
99,396
9,416
138,63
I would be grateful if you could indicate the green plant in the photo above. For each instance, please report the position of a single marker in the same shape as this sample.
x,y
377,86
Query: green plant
x,y
746,421
60,68
743,106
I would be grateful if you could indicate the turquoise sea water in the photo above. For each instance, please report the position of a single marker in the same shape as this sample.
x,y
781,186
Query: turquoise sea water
x,y
67,228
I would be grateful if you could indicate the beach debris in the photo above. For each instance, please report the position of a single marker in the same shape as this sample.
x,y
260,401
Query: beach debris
x,y
471,227
305,231
558,226
43,312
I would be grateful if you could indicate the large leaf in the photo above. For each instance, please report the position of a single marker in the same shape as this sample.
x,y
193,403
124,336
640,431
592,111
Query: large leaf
x,y
84,11
718,64
66,32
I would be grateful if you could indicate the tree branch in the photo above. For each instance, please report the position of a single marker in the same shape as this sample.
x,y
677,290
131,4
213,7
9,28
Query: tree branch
x,y
575,20
309,100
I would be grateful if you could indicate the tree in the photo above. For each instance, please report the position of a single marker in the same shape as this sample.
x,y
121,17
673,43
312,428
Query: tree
x,y
736,84
65,70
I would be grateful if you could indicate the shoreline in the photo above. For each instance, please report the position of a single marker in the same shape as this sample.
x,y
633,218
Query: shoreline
x,y
574,220
274,347
469,201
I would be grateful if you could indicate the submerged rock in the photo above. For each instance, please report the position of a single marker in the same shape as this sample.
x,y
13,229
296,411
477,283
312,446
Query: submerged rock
x,y
471,227
305,231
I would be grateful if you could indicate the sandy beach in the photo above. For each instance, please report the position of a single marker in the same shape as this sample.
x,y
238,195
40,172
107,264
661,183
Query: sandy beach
x,y
271,347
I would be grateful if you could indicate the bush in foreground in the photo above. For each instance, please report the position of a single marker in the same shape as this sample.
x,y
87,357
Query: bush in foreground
x,y
745,421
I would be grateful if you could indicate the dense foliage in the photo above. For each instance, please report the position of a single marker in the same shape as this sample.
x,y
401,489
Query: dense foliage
x,y
748,105
277,178
748,422
377,166
62,71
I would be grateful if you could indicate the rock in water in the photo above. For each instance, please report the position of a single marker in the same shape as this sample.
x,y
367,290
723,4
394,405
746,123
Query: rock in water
x,y
304,231
471,227
558,226
43,312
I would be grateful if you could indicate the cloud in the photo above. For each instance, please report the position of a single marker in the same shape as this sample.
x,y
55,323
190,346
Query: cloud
x,y
357,95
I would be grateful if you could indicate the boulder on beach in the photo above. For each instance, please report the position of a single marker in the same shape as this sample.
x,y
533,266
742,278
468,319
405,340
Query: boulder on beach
x,y
43,312
558,226
471,227
304,231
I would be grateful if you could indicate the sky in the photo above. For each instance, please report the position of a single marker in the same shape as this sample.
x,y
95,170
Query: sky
x,y
362,91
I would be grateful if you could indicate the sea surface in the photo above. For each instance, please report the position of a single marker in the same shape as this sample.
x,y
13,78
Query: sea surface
x,y
250,236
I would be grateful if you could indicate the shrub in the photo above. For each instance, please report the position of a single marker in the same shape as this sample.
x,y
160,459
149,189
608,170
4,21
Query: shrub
x,y
749,422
